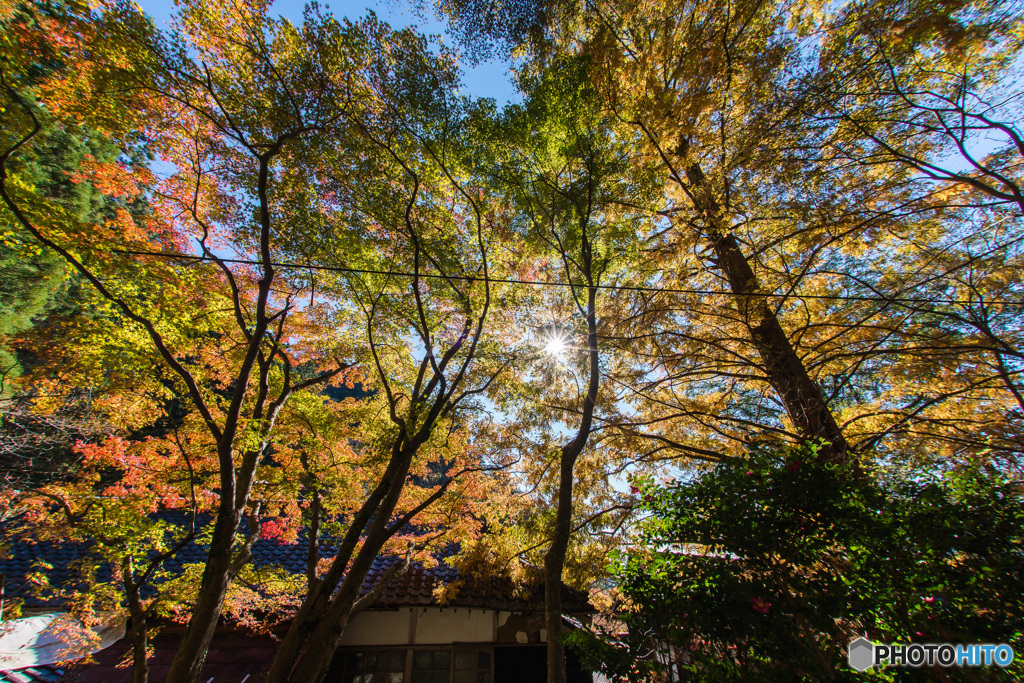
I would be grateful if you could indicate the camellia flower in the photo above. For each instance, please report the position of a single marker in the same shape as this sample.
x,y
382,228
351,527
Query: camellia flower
x,y
761,605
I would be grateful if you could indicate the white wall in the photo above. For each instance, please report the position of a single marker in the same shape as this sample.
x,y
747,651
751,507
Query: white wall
x,y
377,628
455,625
423,626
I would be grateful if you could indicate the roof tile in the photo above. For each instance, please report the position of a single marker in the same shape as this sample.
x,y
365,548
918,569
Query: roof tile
x,y
416,587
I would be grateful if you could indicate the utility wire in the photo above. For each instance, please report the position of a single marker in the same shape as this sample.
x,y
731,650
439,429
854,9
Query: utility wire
x,y
539,283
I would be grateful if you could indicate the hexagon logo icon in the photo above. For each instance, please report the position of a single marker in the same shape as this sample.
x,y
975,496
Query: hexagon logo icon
x,y
861,654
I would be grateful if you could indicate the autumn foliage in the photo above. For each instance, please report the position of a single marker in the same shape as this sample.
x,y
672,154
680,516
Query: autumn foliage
x,y
284,282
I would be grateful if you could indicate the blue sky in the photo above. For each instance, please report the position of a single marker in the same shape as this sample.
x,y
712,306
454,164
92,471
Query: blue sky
x,y
490,79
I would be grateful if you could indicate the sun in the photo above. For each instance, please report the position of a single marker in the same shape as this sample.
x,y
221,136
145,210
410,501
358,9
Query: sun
x,y
555,345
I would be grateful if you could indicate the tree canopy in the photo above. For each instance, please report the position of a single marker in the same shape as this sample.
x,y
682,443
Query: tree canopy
x,y
287,280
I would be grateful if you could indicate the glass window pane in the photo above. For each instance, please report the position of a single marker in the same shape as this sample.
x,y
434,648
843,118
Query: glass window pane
x,y
420,677
384,677
354,667
472,659
464,677
431,660
483,677
396,661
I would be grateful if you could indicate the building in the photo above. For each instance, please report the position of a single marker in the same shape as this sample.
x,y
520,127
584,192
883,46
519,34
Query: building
x,y
490,632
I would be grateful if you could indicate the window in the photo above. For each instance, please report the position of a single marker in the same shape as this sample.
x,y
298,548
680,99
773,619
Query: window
x,y
472,666
375,666
438,665
431,666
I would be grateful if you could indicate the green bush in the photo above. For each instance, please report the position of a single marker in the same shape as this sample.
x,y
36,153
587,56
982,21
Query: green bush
x,y
765,568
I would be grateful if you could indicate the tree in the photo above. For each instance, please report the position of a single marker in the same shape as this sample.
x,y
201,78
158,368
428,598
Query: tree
x,y
754,235
254,114
205,117
116,523
771,233
668,72
581,201
769,566
939,99
417,272
37,292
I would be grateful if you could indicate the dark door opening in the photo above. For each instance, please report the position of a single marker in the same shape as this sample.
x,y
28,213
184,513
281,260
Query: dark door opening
x,y
528,664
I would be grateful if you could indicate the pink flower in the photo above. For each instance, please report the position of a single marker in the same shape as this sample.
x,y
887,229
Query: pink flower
x,y
761,605
633,489
794,466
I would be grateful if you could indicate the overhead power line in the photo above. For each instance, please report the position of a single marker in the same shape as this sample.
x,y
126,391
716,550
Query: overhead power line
x,y
541,283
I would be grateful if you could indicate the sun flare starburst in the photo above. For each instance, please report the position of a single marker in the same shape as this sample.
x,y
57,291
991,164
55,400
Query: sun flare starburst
x,y
555,346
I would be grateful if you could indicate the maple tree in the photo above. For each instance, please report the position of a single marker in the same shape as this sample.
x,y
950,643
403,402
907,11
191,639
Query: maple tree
x,y
37,291
425,256
325,106
116,522
239,385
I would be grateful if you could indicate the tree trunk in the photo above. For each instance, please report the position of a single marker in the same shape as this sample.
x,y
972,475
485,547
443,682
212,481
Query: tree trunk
x,y
306,650
140,660
801,397
191,655
314,607
554,559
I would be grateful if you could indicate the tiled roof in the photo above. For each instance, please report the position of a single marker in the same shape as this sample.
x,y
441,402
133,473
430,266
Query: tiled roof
x,y
417,586
32,674
56,561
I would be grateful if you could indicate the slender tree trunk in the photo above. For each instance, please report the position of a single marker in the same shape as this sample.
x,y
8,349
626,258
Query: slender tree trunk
x,y
800,395
140,662
313,543
554,560
140,639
